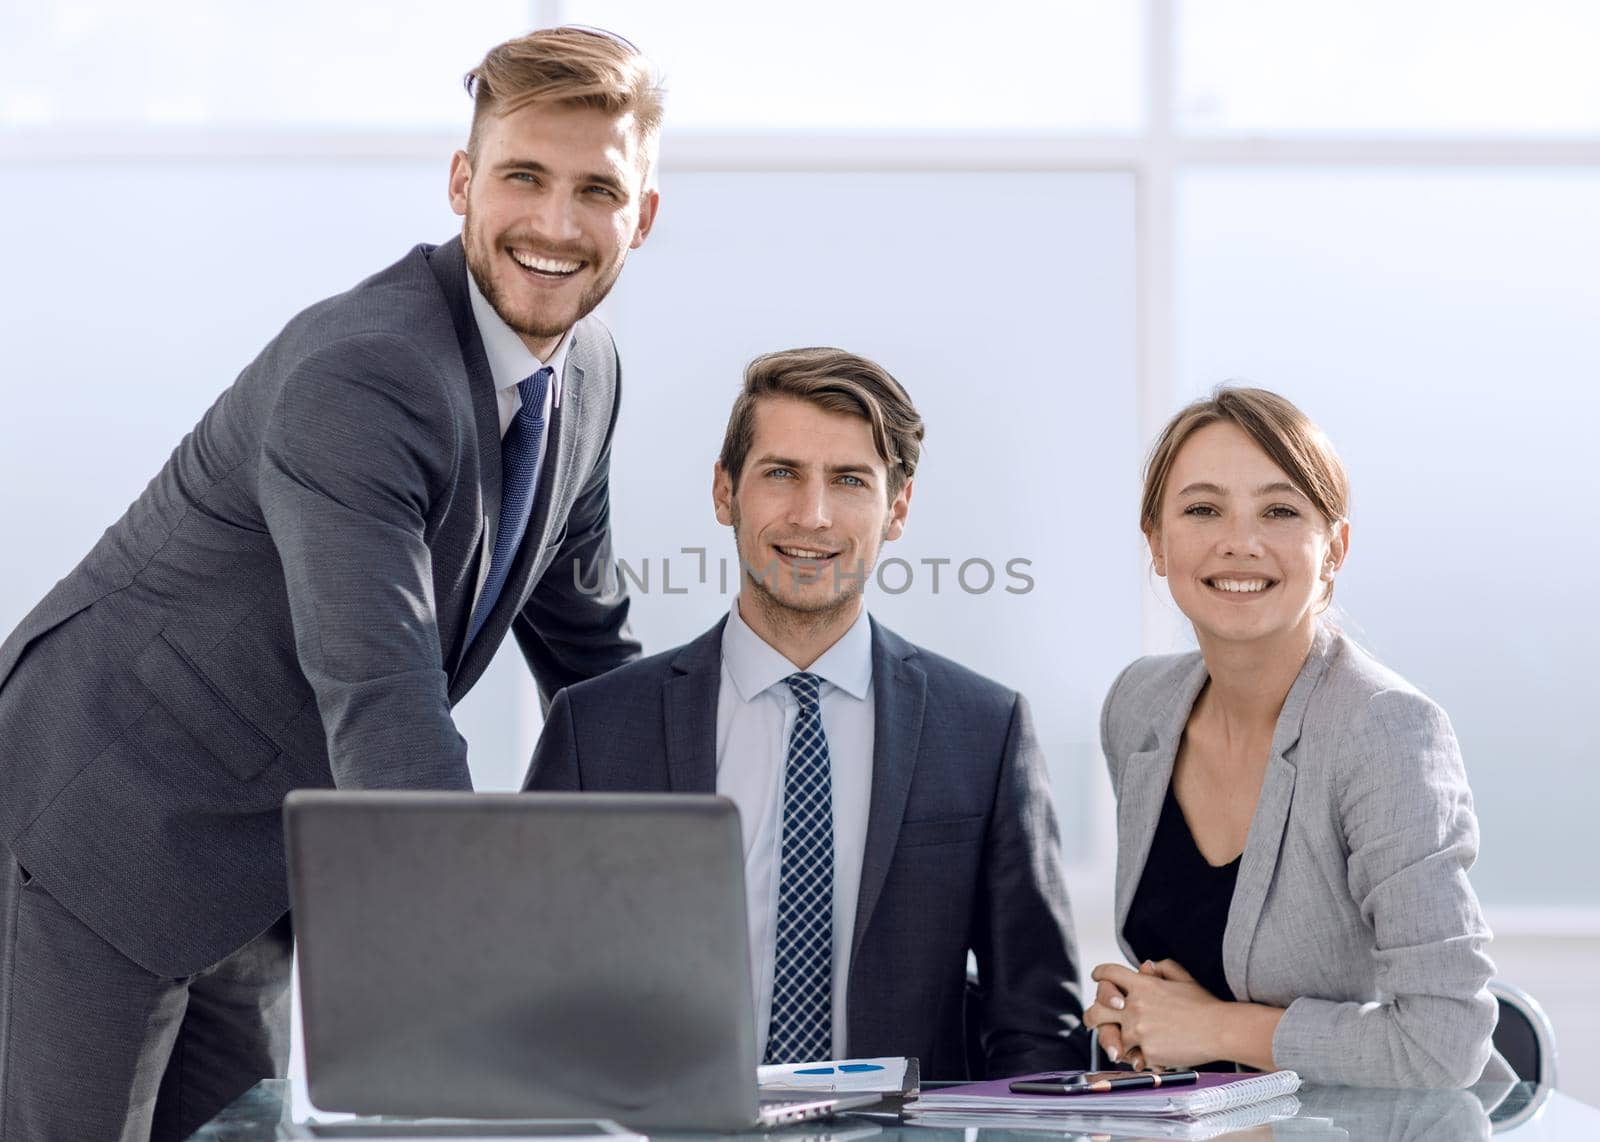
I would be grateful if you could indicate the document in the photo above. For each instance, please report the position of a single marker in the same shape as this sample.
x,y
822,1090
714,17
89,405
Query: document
x,y
884,1075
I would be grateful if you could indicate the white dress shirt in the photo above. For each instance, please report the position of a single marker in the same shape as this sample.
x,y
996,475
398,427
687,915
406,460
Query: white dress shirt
x,y
756,712
510,363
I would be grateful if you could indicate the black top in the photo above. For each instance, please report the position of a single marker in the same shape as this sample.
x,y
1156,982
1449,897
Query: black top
x,y
1180,909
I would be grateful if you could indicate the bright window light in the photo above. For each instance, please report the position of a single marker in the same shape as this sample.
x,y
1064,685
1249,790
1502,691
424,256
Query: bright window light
x,y
1405,66
889,64
294,63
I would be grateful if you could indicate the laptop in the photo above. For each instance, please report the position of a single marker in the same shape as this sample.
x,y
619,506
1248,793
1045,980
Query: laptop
x,y
518,956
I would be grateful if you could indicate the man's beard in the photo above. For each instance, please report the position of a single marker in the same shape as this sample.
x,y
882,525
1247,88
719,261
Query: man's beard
x,y
529,325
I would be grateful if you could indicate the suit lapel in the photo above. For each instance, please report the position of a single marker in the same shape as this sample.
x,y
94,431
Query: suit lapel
x,y
1265,838
449,265
1145,778
899,694
486,411
689,710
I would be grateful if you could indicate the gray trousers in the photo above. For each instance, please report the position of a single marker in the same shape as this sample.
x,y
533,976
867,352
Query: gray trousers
x,y
93,1046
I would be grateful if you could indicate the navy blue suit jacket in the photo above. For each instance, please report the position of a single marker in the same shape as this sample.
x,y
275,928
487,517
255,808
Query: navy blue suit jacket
x,y
962,850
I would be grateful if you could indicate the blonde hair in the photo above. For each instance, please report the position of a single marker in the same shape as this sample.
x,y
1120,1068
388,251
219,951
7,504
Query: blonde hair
x,y
574,66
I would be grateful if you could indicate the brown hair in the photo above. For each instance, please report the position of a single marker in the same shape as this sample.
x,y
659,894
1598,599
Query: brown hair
x,y
835,381
584,67
1281,430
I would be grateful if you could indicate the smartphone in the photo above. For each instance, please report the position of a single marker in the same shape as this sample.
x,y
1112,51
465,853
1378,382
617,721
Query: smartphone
x,y
1096,1082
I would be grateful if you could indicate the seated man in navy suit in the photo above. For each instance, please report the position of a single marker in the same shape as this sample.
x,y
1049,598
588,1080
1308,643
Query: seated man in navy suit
x,y
895,808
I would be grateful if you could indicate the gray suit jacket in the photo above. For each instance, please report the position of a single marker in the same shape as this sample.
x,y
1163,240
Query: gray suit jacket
x,y
1352,908
286,605
961,850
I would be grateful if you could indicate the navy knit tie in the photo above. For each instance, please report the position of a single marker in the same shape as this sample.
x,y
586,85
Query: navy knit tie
x,y
801,1029
519,460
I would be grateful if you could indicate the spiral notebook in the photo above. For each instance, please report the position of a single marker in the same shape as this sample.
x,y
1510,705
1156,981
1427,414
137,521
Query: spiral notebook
x,y
1216,1091
1201,1128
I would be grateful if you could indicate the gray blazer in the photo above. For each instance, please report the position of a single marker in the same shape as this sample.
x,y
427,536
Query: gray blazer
x,y
1352,908
961,853
286,605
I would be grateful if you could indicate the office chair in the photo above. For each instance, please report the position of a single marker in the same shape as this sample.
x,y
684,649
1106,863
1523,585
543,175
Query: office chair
x,y
972,1041
1524,1036
1518,1104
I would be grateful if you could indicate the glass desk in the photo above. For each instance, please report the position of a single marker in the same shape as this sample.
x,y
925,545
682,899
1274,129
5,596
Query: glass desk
x,y
1523,1111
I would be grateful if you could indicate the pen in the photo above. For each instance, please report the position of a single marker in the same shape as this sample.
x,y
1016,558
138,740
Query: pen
x,y
1136,1081
842,1068
1102,1081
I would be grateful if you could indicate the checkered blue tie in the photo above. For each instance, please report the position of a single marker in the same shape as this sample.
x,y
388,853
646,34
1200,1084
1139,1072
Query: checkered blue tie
x,y
519,460
802,977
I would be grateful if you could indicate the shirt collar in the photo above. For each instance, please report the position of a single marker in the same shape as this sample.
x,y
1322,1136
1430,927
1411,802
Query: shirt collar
x,y
510,360
755,666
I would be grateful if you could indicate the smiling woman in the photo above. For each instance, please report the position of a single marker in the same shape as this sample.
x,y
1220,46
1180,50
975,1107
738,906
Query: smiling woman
x,y
1294,826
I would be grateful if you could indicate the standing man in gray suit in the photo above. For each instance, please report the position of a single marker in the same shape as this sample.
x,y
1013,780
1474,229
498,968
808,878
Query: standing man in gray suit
x,y
323,568
895,808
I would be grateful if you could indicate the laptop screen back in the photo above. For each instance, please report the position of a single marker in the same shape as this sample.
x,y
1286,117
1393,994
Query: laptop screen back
x,y
524,955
